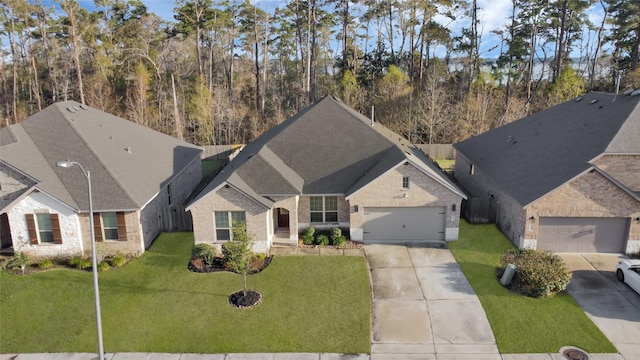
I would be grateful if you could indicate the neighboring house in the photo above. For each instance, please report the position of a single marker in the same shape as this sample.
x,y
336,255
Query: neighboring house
x,y
328,166
137,175
566,179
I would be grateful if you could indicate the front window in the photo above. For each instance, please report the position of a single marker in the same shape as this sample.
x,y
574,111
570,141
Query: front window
x,y
45,231
110,225
324,209
227,222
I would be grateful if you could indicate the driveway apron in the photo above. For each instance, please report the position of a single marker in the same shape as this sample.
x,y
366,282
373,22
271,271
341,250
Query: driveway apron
x,y
613,306
424,307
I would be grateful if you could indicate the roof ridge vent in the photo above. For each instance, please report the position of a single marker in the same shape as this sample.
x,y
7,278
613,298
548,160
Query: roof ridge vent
x,y
635,93
71,110
628,92
76,108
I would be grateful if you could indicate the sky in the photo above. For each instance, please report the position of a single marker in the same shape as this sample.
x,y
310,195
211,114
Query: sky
x,y
493,14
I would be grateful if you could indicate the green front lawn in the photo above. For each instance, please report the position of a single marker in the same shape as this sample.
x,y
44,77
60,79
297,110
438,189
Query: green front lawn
x,y
154,304
521,324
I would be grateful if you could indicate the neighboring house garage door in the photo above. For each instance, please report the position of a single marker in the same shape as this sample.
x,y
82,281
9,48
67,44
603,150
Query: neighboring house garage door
x,y
561,234
404,223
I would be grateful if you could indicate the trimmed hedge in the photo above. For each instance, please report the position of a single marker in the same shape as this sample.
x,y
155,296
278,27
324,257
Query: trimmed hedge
x,y
538,273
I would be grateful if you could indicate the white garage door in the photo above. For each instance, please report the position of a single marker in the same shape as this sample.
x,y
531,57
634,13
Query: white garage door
x,y
564,234
404,224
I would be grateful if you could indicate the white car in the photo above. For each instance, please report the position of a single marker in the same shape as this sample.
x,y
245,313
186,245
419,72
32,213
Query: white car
x,y
628,271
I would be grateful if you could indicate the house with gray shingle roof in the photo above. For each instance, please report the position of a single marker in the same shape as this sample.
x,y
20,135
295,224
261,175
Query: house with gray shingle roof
x,y
566,179
137,174
326,167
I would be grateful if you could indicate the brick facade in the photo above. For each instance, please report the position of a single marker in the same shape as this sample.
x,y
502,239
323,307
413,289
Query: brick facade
x,y
590,195
387,191
142,226
291,205
258,218
624,168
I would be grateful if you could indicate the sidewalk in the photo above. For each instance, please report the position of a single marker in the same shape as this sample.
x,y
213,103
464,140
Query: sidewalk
x,y
296,356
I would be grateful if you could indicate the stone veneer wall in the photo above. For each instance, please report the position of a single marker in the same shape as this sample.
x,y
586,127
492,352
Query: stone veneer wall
x,y
133,246
387,191
38,202
230,199
590,195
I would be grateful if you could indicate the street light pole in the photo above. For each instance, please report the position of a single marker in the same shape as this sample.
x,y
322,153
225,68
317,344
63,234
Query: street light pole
x,y
94,262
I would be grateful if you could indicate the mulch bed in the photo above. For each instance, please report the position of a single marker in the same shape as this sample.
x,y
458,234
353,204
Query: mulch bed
x,y
239,300
200,266
350,244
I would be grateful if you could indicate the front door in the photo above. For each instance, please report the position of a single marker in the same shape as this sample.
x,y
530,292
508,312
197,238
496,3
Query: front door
x,y
283,218
5,232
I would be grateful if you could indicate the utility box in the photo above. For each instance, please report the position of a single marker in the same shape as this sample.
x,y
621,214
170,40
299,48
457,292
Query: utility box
x,y
508,274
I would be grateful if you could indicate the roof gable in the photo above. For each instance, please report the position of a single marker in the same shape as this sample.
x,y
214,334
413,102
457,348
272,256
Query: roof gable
x,y
534,155
129,163
327,148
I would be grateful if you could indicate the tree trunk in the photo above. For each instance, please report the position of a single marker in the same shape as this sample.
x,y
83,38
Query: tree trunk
x,y
68,7
592,73
176,112
563,19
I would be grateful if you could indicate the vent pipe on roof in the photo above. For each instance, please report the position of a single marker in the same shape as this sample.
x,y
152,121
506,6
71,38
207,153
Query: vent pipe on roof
x,y
373,114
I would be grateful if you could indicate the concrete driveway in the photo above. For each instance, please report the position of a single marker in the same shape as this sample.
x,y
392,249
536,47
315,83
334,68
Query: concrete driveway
x,y
613,306
423,306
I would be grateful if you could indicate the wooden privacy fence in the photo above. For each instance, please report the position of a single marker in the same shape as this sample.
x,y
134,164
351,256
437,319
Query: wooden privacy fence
x,y
437,151
174,218
222,152
218,152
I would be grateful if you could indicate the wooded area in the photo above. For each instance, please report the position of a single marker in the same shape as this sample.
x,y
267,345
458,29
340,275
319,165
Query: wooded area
x,y
223,72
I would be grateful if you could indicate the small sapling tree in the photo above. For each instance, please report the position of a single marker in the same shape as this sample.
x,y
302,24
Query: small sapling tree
x,y
237,252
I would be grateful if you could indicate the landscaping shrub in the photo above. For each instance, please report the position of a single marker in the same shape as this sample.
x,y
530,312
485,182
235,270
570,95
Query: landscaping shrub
x,y
204,251
322,240
337,239
257,262
538,273
45,264
18,260
308,237
103,266
80,262
118,260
